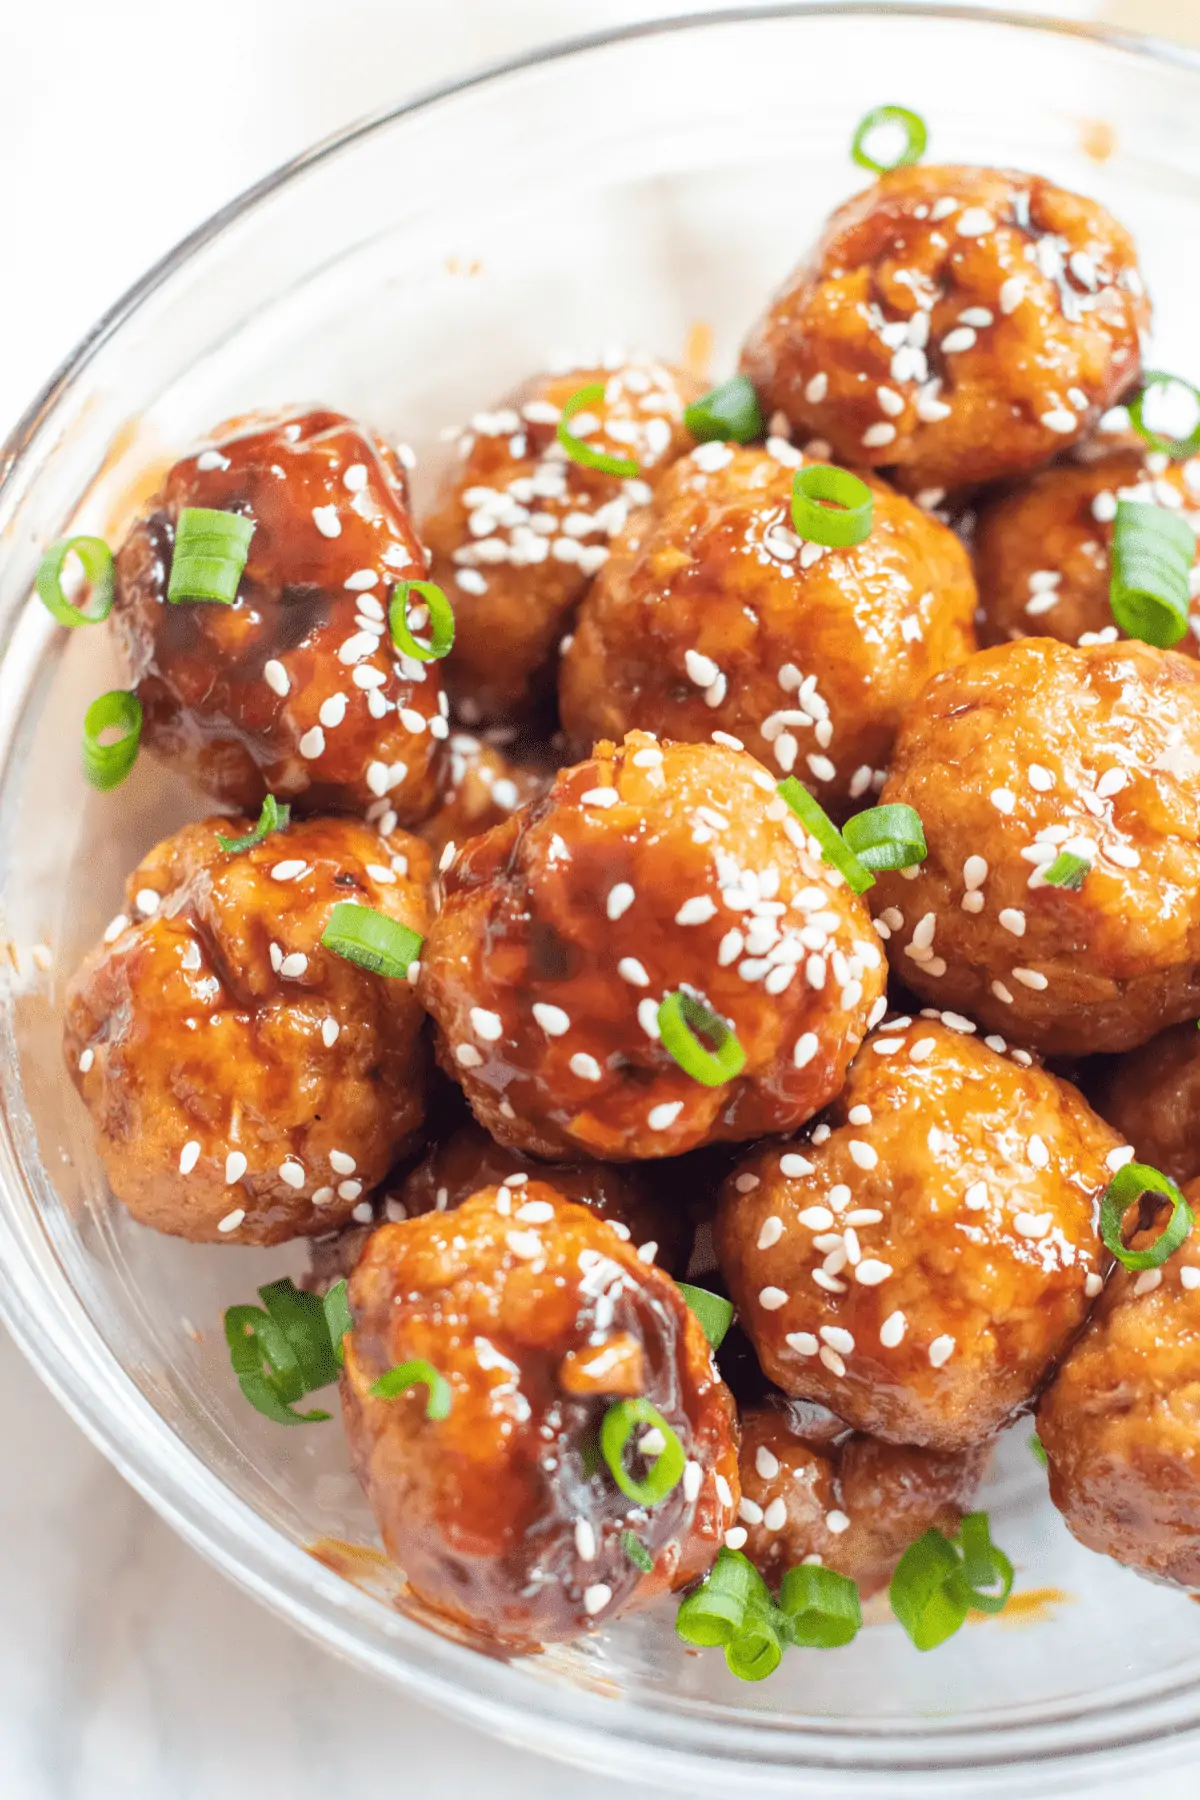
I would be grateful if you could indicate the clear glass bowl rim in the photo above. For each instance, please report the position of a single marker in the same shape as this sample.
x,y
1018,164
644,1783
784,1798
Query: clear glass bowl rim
x,y
618,1738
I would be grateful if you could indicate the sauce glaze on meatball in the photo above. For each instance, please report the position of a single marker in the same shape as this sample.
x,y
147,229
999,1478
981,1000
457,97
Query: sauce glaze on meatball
x,y
479,787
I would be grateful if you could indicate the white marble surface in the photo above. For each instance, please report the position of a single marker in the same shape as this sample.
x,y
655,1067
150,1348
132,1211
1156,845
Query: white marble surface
x,y
128,1669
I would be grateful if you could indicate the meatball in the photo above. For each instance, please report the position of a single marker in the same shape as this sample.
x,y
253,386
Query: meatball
x,y
502,1514
246,1084
1152,1097
646,870
813,1491
519,528
1043,551
1121,1424
711,614
295,689
954,325
479,788
919,1259
467,1160
1022,753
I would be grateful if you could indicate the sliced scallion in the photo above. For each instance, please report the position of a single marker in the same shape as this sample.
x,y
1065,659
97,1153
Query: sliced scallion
x,y
636,1552
833,846
273,817
338,1318
209,555
1123,1191
842,523
823,1609
729,413
714,1312
886,837
281,1351
371,939
666,1465
417,1373
1152,555
1067,871
107,763
681,1018
579,451
1179,448
441,621
97,562
916,136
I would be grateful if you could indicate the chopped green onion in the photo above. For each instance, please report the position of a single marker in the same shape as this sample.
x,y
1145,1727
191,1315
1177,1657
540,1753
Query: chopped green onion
x,y
636,1551
1127,1186
716,1612
984,1565
844,523
577,450
417,1373
822,1608
714,1312
1067,871
301,1318
1038,1451
97,561
886,837
338,1318
915,133
371,940
1152,555
289,1335
680,1017
757,1650
927,1593
1179,448
441,621
833,845
273,817
105,766
666,1467
209,556
730,411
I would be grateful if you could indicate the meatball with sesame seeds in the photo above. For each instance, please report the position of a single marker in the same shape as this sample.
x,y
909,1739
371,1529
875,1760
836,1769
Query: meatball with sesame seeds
x,y
248,1085
1023,755
954,325
712,615
1043,550
295,688
919,1259
504,1513
519,528
1119,1424
1151,1095
815,1491
479,787
648,871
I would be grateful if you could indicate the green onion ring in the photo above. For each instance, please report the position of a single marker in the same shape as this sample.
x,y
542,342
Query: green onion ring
x,y
285,1338
441,619
917,134
836,852
209,555
927,1592
841,525
716,1611
1038,1451
727,413
1152,555
338,1318
823,1608
983,1565
105,766
273,817
666,1470
636,1551
1178,448
683,1014
372,940
757,1650
886,837
97,560
1127,1186
417,1373
301,1317
1067,871
713,1311
592,395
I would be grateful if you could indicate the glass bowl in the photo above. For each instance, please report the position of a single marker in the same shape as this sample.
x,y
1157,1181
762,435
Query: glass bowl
x,y
633,188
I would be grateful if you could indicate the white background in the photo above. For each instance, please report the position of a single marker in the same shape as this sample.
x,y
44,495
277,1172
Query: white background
x,y
128,1669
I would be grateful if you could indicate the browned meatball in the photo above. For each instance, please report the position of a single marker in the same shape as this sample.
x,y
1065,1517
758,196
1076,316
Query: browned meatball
x,y
919,1259
502,1514
954,325
519,528
1043,551
246,1084
710,614
296,688
1024,752
1121,1424
479,788
814,1491
1152,1097
646,869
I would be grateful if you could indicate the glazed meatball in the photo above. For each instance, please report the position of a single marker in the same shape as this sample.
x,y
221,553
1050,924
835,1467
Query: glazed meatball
x,y
645,870
1043,551
467,1160
1024,752
1121,1424
246,1084
919,1259
954,325
295,689
1152,1097
519,528
503,1515
814,1491
711,614
479,788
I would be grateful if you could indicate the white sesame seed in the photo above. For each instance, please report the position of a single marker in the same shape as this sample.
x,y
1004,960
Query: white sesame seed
x,y
1013,919
1012,293
487,1025
828,1356
1116,1159
1059,420
1031,978
1040,778
735,1537
876,436
293,966
771,1232
859,1115
1093,1284
189,1156
596,1598
891,1332
326,520
467,1056
1003,799
620,899
647,1014
115,927
661,1118
349,1190
829,1282
940,1351
976,1196
289,870
1147,1281
1189,1276
772,1298
277,677
806,1048
802,1342
631,970
693,1481
974,222
232,1220
1039,1156
585,1066
292,1173
954,342
696,911
330,1030
863,1156
86,1059
766,1463
792,1165
341,1162
312,744
702,670
746,1184
837,1338
1111,782
552,1019
147,902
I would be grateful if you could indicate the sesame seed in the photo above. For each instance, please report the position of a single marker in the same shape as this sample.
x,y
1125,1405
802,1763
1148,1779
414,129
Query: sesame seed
x,y
702,670
1040,778
735,1537
1147,1281
86,1059
232,1220
863,1156
552,1019
147,902
1039,1156
647,1014
1003,799
467,1056
115,927
954,342
1012,293
976,1196
349,1190
1031,978
288,871
1093,1284
326,520
891,1332
1059,420
596,1598
696,911
792,1165
277,678
1189,1277
1013,919
876,436
329,1032
693,1481
661,1118
771,1232
585,1066
837,1338
1116,1159
1111,782
829,1357
189,1156
974,222
487,1025
766,1463
292,1173
922,1050
620,899
940,1351
829,1282
293,966
805,1049
772,1298
312,744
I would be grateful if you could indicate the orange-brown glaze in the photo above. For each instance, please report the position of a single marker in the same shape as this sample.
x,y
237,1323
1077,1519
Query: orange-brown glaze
x,y
519,528
1152,1096
1023,751
919,1259
479,787
492,1511
712,615
295,689
646,869
246,1084
954,325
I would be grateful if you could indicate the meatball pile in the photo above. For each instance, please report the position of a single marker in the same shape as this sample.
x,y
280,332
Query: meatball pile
x,y
556,1015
